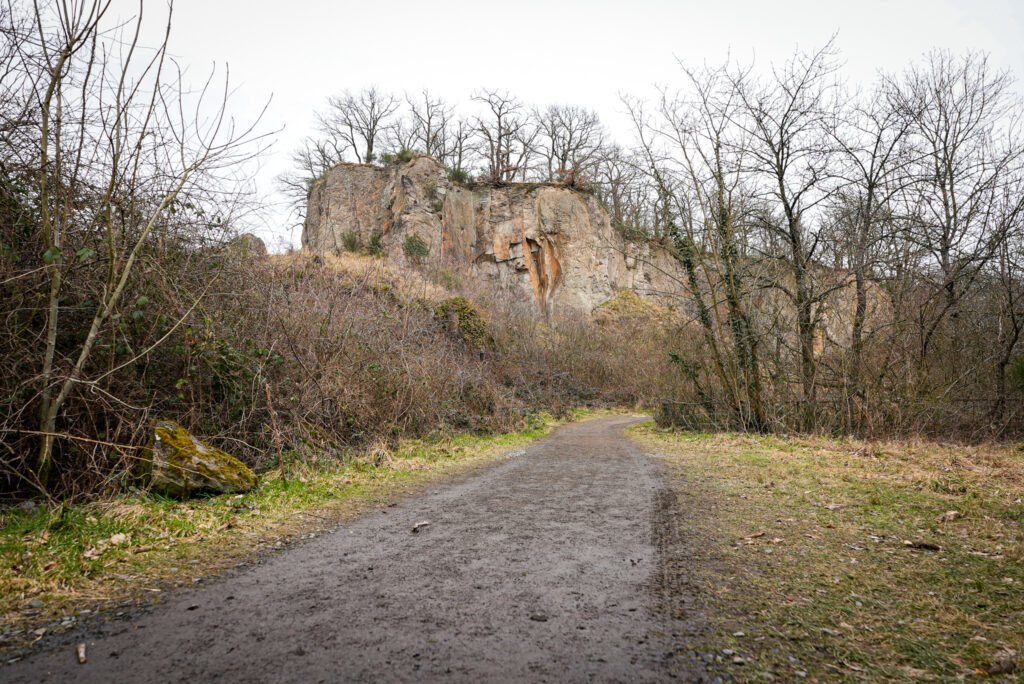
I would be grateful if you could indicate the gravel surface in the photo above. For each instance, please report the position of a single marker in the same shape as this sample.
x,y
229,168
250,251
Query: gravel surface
x,y
545,567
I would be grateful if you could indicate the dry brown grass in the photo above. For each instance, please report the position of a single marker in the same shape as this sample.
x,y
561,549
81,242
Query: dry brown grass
x,y
409,283
834,560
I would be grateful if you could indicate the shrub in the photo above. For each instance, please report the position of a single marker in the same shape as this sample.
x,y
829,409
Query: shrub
x,y
629,232
401,157
1017,371
572,178
459,176
446,278
350,241
463,318
415,247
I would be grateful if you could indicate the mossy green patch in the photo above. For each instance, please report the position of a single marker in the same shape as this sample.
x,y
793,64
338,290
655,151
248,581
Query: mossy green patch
x,y
467,321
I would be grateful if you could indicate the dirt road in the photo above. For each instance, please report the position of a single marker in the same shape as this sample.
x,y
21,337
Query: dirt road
x,y
544,567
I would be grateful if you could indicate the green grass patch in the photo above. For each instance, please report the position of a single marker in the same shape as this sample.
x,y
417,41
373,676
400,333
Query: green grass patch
x,y
853,561
65,559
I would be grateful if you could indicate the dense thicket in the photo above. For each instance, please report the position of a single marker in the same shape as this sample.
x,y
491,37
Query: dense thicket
x,y
851,261
127,298
113,181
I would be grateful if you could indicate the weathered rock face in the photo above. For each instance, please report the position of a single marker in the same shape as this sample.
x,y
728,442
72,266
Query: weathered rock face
x,y
349,200
541,243
248,245
550,244
178,465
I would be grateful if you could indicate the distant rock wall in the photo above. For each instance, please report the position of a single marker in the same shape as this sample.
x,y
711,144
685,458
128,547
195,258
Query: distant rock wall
x,y
540,243
545,242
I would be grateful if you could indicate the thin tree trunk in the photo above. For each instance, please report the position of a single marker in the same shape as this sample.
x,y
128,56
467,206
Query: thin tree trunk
x,y
52,242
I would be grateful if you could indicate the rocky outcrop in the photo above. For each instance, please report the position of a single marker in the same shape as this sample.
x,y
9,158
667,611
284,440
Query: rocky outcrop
x,y
177,465
248,245
540,242
550,244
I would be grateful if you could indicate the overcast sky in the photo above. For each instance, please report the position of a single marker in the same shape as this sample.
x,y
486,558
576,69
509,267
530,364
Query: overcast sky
x,y
543,51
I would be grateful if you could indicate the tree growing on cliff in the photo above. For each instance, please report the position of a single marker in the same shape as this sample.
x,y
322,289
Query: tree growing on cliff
x,y
625,190
505,136
570,139
358,121
352,127
437,131
311,161
431,123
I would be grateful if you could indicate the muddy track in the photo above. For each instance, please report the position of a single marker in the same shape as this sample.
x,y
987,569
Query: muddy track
x,y
558,564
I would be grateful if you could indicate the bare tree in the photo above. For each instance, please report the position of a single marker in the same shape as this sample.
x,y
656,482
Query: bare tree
x,y
352,126
570,140
624,189
458,153
121,146
359,120
873,162
712,151
431,121
792,160
966,124
439,133
505,136
1009,285
312,160
399,137
673,218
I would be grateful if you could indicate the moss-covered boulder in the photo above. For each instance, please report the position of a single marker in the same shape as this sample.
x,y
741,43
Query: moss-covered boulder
x,y
178,465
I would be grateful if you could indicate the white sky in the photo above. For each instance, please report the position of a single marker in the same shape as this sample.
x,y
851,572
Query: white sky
x,y
543,51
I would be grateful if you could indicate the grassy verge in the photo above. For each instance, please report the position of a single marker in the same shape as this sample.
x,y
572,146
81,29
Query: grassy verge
x,y
59,563
852,561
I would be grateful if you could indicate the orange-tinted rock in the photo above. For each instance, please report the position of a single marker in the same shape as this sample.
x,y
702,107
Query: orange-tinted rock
x,y
545,243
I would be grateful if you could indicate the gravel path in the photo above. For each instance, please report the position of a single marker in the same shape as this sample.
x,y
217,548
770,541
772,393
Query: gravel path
x,y
541,568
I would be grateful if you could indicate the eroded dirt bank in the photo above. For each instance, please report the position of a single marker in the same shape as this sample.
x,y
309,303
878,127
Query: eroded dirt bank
x,y
542,568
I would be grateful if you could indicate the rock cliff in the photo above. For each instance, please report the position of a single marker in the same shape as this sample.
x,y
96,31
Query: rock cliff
x,y
546,242
537,242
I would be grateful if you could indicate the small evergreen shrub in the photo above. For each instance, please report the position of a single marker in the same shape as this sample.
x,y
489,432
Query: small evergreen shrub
x,y
1017,371
462,318
350,241
401,157
415,247
459,176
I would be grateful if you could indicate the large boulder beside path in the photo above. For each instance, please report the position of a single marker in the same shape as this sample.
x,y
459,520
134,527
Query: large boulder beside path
x,y
177,465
